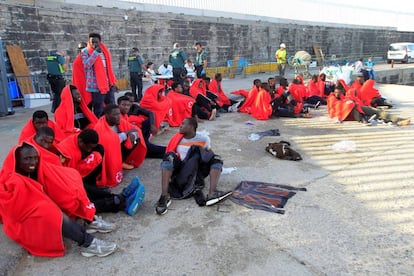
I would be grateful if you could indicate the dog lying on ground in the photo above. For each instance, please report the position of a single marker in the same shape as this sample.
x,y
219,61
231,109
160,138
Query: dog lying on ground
x,y
282,150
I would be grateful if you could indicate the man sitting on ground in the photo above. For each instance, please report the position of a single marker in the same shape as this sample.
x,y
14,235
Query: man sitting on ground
x,y
37,202
188,154
144,123
43,143
83,153
73,115
39,119
124,146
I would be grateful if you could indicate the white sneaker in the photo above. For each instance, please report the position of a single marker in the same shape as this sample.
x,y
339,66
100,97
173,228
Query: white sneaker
x,y
100,225
99,248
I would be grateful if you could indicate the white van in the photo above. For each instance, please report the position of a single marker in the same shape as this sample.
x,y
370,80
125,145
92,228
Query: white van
x,y
403,51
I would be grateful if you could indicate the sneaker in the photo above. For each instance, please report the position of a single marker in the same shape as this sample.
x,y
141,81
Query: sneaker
x,y
134,201
404,122
200,198
373,117
213,114
216,197
162,206
100,225
317,104
99,248
131,188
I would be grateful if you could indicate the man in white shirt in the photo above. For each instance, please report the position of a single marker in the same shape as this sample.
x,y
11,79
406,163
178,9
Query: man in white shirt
x,y
188,160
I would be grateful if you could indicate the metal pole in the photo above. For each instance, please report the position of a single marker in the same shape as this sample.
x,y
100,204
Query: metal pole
x,y
5,103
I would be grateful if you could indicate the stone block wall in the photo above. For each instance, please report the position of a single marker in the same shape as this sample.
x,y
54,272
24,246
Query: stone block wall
x,y
41,26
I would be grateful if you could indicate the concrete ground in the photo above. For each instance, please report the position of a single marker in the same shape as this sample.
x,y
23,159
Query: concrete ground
x,y
356,217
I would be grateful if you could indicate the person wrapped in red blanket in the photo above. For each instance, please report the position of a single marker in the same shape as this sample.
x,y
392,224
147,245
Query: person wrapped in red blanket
x,y
222,100
83,153
370,96
99,75
344,106
123,144
181,106
73,115
251,96
36,201
39,119
43,143
206,108
155,100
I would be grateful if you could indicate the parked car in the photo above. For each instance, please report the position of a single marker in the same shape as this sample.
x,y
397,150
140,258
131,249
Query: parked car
x,y
403,51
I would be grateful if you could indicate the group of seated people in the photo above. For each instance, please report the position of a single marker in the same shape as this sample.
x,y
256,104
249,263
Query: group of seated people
x,y
62,170
361,102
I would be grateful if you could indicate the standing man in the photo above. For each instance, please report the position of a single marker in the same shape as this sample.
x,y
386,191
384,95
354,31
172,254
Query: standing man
x,y
280,56
201,61
136,71
100,78
177,59
57,64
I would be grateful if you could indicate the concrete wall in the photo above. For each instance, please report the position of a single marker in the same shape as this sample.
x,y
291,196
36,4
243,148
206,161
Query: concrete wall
x,y
40,26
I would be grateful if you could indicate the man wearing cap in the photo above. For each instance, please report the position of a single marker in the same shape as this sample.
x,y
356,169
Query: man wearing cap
x,y
280,56
57,64
136,71
201,61
178,59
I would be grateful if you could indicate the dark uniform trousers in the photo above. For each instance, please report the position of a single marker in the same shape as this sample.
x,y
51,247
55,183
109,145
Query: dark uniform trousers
x,y
136,82
57,83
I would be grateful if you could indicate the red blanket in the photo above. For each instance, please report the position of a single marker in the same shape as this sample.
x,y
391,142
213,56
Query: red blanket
x,y
159,104
32,210
47,156
298,92
137,156
64,114
29,216
313,89
339,108
198,87
368,92
70,149
181,108
105,77
250,99
261,108
174,141
217,89
79,79
28,131
241,92
112,162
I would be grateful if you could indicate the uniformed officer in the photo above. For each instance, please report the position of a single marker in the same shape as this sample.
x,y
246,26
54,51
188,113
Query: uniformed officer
x,y
136,72
57,64
201,61
178,59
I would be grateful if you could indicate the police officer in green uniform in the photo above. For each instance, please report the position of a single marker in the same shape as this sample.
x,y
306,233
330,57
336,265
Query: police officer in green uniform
x,y
136,72
201,61
177,60
56,66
